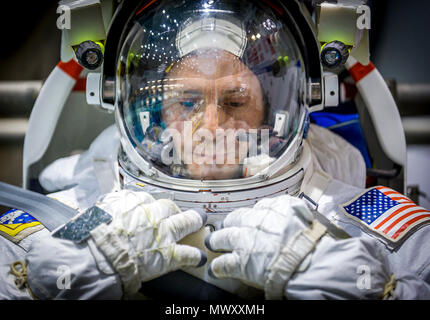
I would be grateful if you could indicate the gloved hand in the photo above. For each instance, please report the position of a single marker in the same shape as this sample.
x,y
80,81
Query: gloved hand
x,y
140,242
277,246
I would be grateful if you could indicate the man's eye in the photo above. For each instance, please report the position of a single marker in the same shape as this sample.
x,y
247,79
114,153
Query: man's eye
x,y
235,100
234,104
188,103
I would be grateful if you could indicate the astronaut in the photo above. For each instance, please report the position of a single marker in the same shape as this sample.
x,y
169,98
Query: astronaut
x,y
220,182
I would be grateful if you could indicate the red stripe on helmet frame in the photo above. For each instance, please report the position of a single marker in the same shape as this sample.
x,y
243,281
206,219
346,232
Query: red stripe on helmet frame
x,y
144,7
81,85
358,71
71,68
274,7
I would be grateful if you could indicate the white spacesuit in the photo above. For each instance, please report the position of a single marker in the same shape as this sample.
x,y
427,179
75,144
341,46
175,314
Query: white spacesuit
x,y
213,169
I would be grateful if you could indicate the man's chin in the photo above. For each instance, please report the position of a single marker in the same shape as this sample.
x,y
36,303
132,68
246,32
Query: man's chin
x,y
213,171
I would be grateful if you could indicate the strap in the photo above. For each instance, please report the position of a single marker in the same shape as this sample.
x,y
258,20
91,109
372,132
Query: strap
x,y
105,174
332,229
19,270
290,258
312,191
120,255
315,187
389,289
51,213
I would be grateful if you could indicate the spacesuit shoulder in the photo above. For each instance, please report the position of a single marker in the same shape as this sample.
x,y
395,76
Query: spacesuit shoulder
x,y
20,227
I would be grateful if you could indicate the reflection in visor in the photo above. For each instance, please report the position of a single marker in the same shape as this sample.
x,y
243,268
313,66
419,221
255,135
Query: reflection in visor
x,y
210,94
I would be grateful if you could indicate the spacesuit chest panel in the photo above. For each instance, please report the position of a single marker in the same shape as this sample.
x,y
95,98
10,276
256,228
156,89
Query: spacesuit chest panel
x,y
183,286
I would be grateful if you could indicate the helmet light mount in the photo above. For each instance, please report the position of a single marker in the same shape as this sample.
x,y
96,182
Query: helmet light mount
x,y
90,54
334,55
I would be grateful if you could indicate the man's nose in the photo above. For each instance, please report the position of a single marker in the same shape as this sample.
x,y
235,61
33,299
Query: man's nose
x,y
211,117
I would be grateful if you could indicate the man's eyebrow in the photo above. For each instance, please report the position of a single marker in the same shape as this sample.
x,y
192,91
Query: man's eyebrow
x,y
192,92
235,90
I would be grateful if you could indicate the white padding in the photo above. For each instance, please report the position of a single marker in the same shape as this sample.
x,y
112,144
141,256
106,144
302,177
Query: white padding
x,y
44,117
212,33
384,113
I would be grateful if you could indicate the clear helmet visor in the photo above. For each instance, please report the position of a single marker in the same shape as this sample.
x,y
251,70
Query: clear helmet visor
x,y
210,90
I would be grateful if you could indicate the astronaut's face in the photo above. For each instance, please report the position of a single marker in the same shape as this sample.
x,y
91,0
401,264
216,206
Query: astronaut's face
x,y
213,100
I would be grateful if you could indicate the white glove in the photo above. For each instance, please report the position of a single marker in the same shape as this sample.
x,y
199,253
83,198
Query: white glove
x,y
277,246
140,242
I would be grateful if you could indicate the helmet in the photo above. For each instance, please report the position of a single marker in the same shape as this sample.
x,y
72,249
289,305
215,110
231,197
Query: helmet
x,y
211,95
211,99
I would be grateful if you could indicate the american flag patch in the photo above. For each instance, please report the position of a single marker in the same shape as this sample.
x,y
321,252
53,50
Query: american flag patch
x,y
387,212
